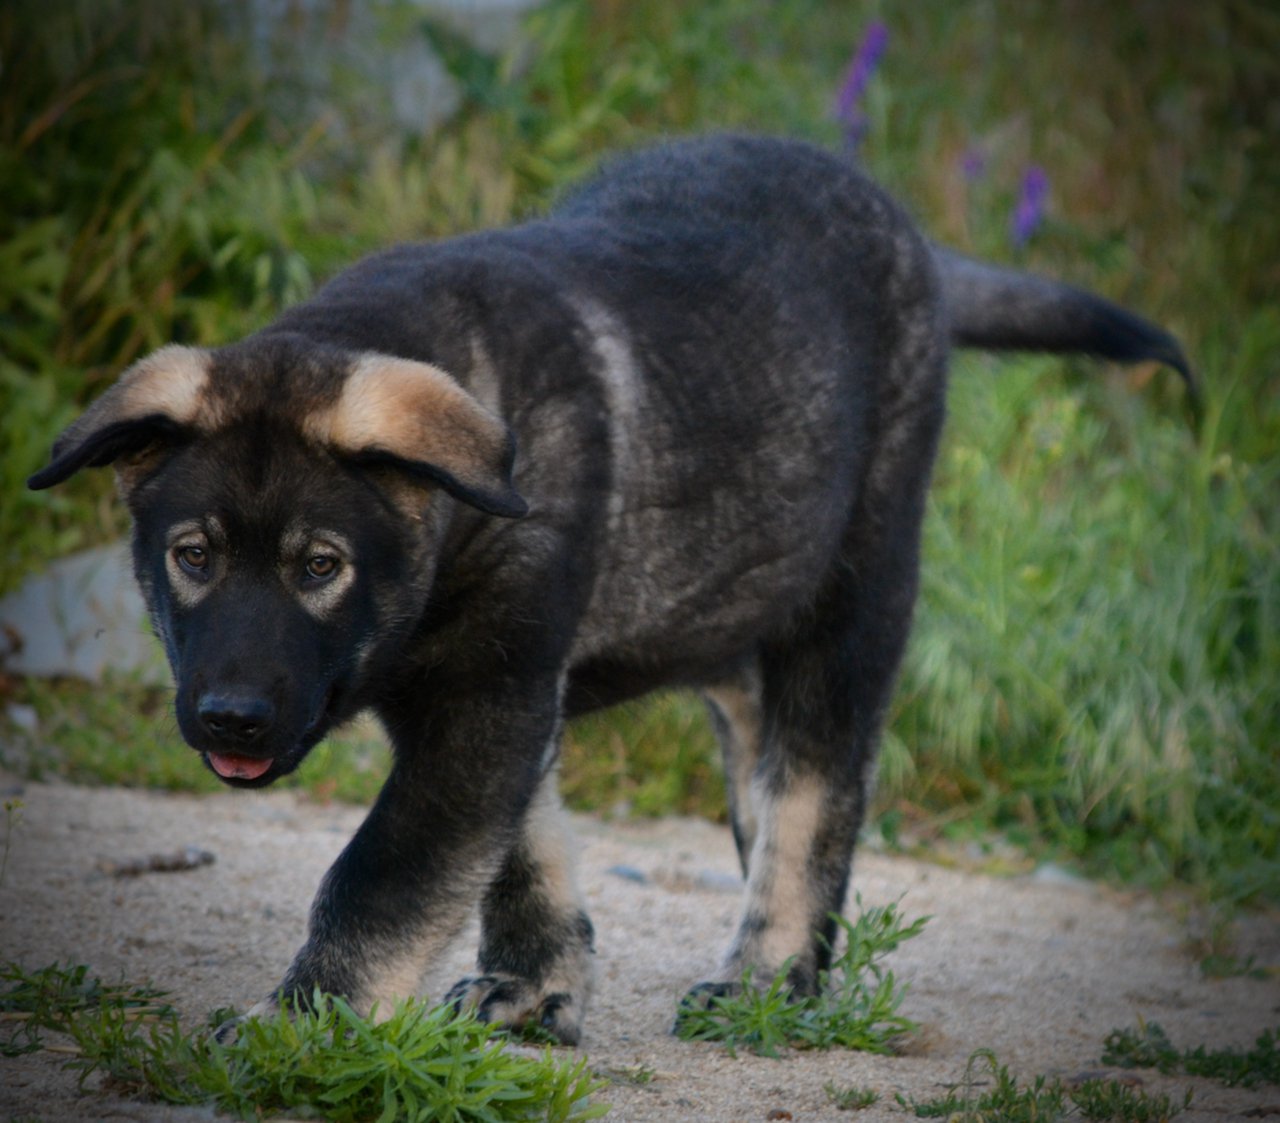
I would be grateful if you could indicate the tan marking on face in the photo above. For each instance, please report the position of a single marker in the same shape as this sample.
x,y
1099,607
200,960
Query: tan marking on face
x,y
189,590
297,548
416,412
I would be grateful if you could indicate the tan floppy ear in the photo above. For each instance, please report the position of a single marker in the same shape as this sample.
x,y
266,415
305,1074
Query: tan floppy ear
x,y
418,418
156,400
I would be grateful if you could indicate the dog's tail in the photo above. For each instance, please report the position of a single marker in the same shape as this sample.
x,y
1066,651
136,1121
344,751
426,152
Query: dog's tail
x,y
1006,310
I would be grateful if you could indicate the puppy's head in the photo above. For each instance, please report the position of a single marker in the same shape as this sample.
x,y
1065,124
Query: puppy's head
x,y
288,503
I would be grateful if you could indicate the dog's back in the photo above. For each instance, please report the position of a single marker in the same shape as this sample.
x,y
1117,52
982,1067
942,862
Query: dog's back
x,y
691,310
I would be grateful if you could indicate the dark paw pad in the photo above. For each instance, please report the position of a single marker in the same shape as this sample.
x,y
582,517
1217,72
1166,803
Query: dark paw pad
x,y
228,1031
701,997
517,1004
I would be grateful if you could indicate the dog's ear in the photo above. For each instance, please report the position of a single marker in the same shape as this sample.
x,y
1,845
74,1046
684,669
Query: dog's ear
x,y
417,418
155,402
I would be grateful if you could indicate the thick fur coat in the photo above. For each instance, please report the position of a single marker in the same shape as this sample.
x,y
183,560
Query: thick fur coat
x,y
679,432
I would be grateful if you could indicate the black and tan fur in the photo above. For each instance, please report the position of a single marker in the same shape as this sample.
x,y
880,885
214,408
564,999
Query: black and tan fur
x,y
678,432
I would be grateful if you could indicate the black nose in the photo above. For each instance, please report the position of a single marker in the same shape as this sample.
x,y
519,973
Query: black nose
x,y
235,717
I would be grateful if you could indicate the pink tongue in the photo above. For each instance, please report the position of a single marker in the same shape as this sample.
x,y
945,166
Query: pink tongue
x,y
233,766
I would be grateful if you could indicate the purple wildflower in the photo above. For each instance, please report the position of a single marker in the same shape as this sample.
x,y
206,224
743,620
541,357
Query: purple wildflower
x,y
861,67
973,163
1030,209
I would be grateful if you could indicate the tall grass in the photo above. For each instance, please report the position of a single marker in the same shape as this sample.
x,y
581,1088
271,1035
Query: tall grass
x,y
1096,661
1096,639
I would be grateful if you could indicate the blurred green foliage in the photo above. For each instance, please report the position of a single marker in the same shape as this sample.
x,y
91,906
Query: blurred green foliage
x,y
1096,663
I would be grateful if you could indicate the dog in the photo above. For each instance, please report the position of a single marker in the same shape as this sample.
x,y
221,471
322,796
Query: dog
x,y
678,432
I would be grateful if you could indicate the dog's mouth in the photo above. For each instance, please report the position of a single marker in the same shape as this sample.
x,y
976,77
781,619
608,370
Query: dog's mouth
x,y
244,770
237,766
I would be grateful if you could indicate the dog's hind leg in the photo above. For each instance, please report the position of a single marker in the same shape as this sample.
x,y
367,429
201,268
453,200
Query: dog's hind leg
x,y
824,694
825,686
734,706
535,962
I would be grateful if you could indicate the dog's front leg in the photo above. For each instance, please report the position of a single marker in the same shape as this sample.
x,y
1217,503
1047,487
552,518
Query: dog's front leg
x,y
469,761
536,945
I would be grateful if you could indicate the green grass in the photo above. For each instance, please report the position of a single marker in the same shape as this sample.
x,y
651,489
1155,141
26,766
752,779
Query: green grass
x,y
653,758
856,1006
851,1098
1043,1100
422,1063
1148,1046
1098,640
430,1063
51,997
1093,633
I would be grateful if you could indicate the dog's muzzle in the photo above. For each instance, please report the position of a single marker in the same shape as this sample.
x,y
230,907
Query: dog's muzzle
x,y
236,722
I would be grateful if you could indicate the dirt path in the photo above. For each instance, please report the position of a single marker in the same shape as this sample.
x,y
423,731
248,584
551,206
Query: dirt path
x,y
1038,971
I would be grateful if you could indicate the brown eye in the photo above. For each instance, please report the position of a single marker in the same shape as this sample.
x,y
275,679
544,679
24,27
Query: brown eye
x,y
194,559
320,567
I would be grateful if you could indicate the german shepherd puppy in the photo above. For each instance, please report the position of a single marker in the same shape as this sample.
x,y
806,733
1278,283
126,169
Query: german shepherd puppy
x,y
678,432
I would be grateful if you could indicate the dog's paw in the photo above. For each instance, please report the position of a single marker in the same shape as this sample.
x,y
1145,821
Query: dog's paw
x,y
227,1031
701,997
515,1003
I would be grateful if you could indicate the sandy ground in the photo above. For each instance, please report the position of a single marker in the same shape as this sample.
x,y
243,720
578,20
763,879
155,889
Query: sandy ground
x,y
1037,970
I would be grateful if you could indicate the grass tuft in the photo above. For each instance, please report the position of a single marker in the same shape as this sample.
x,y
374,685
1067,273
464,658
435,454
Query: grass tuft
x,y
52,997
850,1099
856,1007
1041,1101
422,1064
1148,1046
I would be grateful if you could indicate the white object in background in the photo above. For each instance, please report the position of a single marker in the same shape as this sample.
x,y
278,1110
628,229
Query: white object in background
x,y
81,617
